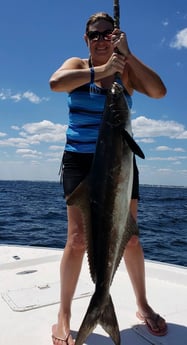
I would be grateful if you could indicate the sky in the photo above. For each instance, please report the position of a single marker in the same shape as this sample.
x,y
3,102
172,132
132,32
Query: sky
x,y
38,36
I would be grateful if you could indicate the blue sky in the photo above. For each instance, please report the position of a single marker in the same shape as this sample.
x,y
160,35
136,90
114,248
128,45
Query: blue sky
x,y
37,36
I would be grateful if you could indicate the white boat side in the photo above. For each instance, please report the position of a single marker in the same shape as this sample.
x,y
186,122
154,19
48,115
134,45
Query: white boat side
x,y
29,301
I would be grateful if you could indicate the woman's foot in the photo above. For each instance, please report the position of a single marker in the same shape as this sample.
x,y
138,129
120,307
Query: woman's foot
x,y
59,338
154,322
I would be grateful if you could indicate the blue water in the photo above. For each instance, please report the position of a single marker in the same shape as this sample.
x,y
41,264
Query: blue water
x,y
34,213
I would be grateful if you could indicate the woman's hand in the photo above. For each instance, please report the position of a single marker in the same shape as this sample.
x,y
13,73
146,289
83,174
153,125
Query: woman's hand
x,y
119,40
116,63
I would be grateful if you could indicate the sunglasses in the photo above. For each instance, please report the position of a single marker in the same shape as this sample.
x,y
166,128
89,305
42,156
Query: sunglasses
x,y
96,35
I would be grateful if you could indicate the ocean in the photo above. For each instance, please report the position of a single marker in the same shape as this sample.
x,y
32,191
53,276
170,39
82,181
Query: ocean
x,y
34,213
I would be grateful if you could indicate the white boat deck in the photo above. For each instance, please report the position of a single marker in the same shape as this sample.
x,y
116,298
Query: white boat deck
x,y
29,297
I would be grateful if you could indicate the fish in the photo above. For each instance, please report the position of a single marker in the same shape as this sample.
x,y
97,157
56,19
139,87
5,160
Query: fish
x,y
104,199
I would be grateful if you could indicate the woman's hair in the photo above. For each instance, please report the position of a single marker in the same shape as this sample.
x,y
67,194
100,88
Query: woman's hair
x,y
98,16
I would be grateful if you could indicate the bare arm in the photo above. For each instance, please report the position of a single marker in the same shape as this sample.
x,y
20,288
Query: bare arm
x,y
143,79
75,72
70,75
136,74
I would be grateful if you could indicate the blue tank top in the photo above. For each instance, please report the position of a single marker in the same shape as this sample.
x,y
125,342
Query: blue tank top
x,y
86,105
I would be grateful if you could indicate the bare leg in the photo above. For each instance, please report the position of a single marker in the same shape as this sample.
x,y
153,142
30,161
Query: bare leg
x,y
134,259
69,272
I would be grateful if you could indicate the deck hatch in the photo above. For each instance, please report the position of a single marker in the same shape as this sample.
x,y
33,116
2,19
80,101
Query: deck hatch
x,y
38,296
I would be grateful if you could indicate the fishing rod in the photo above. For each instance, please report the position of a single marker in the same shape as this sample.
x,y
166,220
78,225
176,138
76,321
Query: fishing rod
x,y
116,10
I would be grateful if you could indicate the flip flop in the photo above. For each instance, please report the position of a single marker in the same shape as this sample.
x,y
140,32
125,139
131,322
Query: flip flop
x,y
63,340
160,332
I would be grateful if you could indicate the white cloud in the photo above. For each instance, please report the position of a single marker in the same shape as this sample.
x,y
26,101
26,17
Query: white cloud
x,y
167,148
162,148
43,126
144,127
54,156
33,98
27,153
38,148
56,147
44,131
165,22
16,128
146,140
170,159
180,39
178,149
177,163
17,97
182,135
179,64
36,133
3,95
164,170
2,134
14,142
163,40
163,175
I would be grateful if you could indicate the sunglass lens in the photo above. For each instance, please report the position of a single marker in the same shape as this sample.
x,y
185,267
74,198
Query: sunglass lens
x,y
96,35
107,35
93,35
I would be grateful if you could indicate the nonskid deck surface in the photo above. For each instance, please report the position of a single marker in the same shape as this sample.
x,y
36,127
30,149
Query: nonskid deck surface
x,y
29,300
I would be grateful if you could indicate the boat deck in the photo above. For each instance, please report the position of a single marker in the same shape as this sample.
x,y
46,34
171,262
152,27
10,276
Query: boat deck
x,y
29,301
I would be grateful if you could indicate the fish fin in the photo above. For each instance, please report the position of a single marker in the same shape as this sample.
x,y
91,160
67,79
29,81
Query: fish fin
x,y
135,148
80,196
95,314
131,228
109,321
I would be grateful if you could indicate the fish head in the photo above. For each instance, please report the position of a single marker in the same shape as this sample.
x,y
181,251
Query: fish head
x,y
117,113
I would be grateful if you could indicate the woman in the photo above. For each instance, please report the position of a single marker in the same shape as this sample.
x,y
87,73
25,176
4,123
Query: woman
x,y
86,81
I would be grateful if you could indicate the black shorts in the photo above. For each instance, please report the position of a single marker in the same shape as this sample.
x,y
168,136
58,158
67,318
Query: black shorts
x,y
76,166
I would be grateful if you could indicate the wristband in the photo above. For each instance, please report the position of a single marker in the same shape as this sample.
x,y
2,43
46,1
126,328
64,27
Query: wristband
x,y
92,75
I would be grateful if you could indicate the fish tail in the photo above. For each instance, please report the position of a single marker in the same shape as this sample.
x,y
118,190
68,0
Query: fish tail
x,y
109,322
105,316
